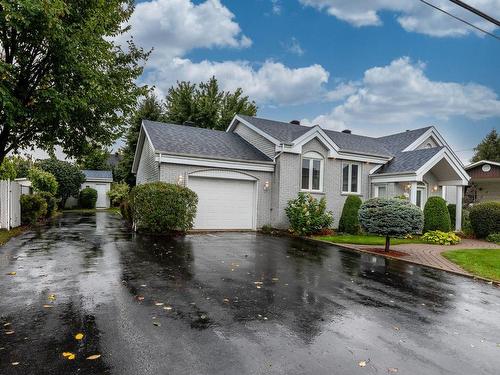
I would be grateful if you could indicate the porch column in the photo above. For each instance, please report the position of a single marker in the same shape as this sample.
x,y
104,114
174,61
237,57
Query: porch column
x,y
458,217
413,192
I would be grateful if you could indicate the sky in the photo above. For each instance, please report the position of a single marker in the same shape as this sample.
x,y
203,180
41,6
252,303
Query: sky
x,y
376,67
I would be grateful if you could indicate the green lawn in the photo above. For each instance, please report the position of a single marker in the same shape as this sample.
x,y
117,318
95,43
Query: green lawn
x,y
365,239
480,262
6,235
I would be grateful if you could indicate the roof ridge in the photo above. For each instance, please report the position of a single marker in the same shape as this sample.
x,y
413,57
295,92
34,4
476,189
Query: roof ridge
x,y
405,132
185,126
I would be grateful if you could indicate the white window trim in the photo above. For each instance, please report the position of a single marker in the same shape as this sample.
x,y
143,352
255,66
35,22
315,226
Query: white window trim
x,y
311,156
349,177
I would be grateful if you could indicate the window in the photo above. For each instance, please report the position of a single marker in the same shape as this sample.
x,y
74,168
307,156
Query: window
x,y
312,172
351,178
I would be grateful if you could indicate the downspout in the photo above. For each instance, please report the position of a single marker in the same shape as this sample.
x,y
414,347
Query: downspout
x,y
159,168
274,175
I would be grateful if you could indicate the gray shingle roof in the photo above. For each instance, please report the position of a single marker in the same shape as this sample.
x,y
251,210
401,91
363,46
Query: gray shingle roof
x,y
282,131
399,141
93,174
188,140
409,161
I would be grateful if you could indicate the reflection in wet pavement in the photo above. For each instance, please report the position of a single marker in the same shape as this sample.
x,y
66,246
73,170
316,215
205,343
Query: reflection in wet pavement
x,y
232,303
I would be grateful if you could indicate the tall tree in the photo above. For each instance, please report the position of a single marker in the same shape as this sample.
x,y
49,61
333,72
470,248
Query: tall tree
x,y
150,108
63,79
206,105
96,159
488,149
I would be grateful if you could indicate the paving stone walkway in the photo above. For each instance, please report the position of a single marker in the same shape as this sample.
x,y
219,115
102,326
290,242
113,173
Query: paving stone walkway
x,y
430,255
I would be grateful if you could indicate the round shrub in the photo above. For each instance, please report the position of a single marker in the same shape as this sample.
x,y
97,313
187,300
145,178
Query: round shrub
x,y
307,215
349,222
485,218
33,208
87,198
390,218
51,203
42,181
118,193
441,238
493,237
163,208
436,215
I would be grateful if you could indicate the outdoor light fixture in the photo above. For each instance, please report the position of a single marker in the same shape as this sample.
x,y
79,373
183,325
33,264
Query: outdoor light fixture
x,y
267,185
180,180
435,188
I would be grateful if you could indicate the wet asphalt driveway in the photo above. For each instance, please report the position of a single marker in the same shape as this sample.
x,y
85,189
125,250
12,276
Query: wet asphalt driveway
x,y
233,303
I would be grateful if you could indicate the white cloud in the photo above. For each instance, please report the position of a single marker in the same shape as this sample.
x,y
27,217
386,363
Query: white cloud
x,y
401,93
174,27
276,7
413,15
270,83
293,46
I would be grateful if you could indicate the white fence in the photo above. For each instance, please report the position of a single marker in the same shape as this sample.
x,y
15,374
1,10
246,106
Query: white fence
x,y
10,206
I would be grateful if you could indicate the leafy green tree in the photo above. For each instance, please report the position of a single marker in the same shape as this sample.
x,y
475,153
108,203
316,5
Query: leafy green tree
x,y
64,81
69,177
96,159
390,218
21,165
118,193
150,108
8,170
488,149
206,105
42,181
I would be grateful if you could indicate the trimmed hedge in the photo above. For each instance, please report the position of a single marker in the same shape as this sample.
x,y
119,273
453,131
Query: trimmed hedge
x,y
51,203
485,218
162,208
436,215
87,198
307,215
349,222
390,218
33,208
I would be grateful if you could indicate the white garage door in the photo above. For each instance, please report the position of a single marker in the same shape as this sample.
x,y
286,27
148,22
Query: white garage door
x,y
102,201
224,203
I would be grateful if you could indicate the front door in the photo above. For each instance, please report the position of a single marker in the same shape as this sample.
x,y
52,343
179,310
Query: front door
x,y
421,196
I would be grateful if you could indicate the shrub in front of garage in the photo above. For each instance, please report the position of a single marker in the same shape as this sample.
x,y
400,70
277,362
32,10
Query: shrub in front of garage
x,y
51,203
33,208
390,218
307,215
485,218
118,193
87,198
161,208
436,215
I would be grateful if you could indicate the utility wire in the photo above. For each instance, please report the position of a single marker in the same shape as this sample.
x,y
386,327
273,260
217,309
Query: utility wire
x,y
461,19
470,8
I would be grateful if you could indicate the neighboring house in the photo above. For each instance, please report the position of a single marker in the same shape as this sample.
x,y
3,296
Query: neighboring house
x,y
484,182
25,185
245,176
98,180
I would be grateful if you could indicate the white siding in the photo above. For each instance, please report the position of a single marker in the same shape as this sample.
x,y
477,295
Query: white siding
x,y
256,140
147,170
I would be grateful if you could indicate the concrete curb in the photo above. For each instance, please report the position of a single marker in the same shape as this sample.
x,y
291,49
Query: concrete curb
x,y
359,250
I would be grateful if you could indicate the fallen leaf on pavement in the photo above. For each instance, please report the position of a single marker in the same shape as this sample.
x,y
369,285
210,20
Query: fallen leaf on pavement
x,y
94,356
140,298
69,355
362,363
52,297
9,332
48,306
275,279
159,303
396,328
167,308
12,273
7,324
157,324
79,336
15,363
226,300
392,370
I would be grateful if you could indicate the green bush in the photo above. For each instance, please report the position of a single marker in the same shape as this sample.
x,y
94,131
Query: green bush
x,y
267,229
87,198
51,203
163,208
126,210
493,237
33,208
42,181
452,210
390,218
441,238
307,215
436,215
467,229
349,222
8,169
485,218
118,193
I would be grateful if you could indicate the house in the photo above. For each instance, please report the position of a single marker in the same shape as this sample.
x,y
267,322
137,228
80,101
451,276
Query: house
x,y
98,180
484,182
245,176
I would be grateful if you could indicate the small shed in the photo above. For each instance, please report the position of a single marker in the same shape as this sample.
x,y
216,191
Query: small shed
x,y
100,181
